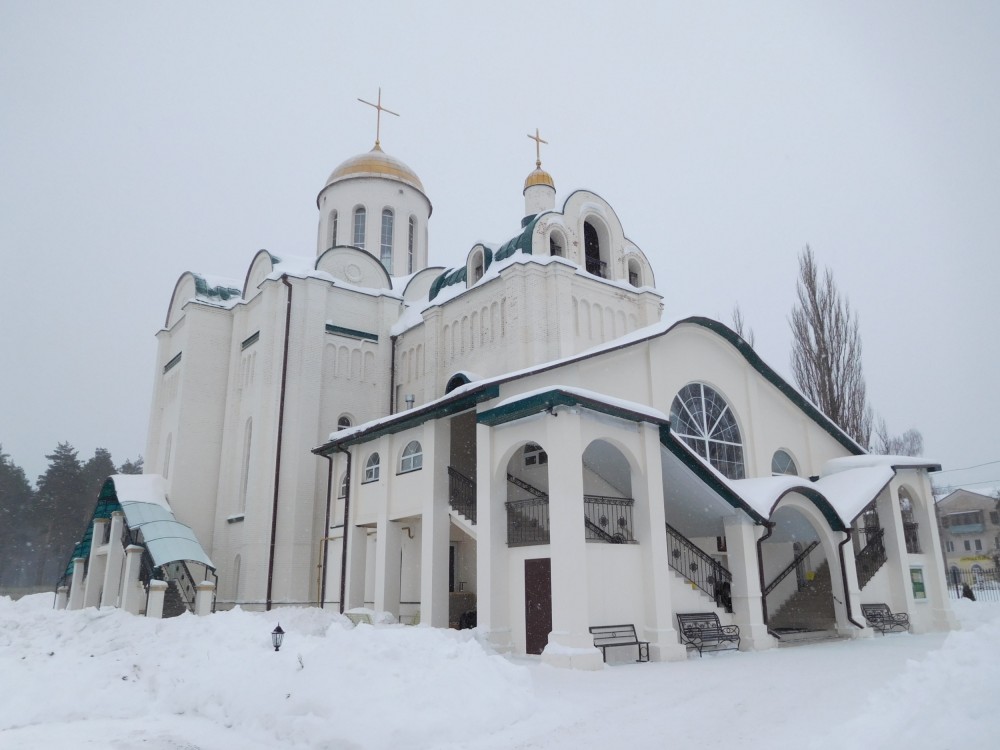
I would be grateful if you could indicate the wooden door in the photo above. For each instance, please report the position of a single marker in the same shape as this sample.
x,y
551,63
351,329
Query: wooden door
x,y
537,603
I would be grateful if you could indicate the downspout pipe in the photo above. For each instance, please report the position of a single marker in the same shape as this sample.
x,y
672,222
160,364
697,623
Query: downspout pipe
x,y
326,531
843,573
343,544
769,525
392,374
277,450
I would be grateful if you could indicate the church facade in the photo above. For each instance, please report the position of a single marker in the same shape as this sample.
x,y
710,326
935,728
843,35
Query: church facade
x,y
521,442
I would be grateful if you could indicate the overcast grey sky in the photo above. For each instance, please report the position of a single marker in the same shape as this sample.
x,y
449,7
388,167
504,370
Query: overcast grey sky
x,y
138,141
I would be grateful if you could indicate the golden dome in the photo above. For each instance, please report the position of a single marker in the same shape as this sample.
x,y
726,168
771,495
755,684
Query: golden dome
x,y
376,163
539,177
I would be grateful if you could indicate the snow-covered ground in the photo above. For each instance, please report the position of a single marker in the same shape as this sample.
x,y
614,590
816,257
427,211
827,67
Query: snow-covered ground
x,y
104,679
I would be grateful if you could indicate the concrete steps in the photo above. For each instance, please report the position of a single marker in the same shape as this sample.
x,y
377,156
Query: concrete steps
x,y
810,609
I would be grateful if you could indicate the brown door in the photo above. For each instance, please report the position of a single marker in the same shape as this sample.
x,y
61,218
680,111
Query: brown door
x,y
537,603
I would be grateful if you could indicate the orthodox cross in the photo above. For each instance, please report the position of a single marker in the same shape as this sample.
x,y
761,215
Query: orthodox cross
x,y
538,147
378,117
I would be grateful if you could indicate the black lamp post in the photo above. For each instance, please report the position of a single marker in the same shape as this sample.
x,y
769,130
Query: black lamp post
x,y
277,636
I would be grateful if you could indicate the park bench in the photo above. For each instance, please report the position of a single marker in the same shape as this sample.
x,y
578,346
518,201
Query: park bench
x,y
880,617
701,629
610,636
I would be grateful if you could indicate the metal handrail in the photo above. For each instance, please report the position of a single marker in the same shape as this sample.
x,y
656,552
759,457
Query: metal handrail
x,y
527,522
526,487
462,494
912,537
791,566
870,559
608,519
700,568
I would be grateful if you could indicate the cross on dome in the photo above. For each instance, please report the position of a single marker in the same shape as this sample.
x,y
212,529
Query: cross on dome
x,y
538,147
378,117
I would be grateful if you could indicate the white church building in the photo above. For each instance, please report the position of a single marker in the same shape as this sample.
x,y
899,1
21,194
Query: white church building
x,y
522,443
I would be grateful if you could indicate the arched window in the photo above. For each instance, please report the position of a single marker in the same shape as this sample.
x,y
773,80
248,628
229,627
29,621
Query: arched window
x,y
782,463
701,418
332,230
634,273
359,227
592,251
911,529
371,468
413,457
245,470
411,244
344,422
342,492
557,245
386,247
477,267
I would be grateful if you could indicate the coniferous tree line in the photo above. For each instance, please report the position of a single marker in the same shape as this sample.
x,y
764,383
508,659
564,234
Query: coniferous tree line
x,y
39,525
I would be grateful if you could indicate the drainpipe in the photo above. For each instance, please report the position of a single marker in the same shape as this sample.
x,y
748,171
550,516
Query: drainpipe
x,y
769,525
277,450
843,573
326,530
343,546
392,374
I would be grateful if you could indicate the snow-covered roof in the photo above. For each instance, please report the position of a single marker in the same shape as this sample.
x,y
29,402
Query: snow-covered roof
x,y
873,459
143,500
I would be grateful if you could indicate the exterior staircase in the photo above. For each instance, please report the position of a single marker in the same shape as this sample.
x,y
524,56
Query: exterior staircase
x,y
810,609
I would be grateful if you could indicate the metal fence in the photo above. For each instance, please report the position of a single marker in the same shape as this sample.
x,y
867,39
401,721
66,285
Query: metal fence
x,y
981,584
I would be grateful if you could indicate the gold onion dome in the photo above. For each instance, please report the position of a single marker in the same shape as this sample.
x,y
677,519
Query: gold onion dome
x,y
376,163
539,177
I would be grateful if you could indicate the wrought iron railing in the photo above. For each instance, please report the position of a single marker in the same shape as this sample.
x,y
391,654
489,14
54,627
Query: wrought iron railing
x,y
912,537
597,267
530,488
462,494
870,559
608,519
800,558
700,568
528,522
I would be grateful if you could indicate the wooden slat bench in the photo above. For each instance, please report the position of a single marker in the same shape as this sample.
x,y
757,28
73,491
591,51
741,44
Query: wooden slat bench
x,y
701,629
884,620
610,636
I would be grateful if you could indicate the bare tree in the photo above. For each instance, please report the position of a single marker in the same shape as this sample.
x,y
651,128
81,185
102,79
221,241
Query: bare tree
x,y
826,351
739,323
910,443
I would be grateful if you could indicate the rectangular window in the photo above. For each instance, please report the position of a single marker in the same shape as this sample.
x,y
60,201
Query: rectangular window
x,y
995,517
250,340
172,363
968,546
979,545
950,546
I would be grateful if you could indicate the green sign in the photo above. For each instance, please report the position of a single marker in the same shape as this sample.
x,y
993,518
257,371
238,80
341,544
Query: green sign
x,y
917,580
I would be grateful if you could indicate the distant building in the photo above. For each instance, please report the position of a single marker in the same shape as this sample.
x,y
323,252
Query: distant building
x,y
970,531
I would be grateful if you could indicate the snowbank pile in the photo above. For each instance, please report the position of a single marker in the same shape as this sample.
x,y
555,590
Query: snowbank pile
x,y
331,685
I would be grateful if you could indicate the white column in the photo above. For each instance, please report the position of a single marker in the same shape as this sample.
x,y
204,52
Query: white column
x,y
114,562
204,593
132,591
741,543
435,526
388,548
77,585
650,520
935,580
570,642
356,539
96,565
492,601
154,603
62,597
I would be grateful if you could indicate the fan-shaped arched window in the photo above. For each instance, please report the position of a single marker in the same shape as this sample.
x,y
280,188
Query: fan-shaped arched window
x,y
783,463
359,227
701,418
372,468
386,247
413,457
